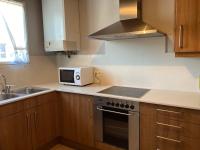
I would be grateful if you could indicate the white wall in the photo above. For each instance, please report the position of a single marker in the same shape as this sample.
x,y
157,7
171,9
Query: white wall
x,y
136,62
41,69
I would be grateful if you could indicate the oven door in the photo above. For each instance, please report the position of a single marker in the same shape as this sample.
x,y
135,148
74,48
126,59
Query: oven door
x,y
117,128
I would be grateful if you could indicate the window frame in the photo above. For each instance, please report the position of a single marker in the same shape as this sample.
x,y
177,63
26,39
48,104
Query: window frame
x,y
25,30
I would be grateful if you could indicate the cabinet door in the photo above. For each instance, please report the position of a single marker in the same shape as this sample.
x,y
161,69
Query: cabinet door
x,y
44,124
147,128
187,29
15,133
53,20
77,118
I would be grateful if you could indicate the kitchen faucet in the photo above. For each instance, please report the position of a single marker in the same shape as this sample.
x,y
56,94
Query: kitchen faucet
x,y
6,89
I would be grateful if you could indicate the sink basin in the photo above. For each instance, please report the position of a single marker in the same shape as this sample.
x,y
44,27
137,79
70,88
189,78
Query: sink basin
x,y
21,92
8,96
30,90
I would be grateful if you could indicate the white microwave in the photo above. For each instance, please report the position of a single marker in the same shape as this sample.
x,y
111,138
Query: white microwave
x,y
79,76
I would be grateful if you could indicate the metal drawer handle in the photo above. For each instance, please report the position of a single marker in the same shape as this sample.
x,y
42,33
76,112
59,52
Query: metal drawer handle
x,y
168,125
168,139
169,111
181,36
115,112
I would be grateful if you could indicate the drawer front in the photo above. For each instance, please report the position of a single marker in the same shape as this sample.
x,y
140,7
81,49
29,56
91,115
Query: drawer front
x,y
30,103
169,131
191,144
192,131
39,100
167,144
11,109
192,116
168,114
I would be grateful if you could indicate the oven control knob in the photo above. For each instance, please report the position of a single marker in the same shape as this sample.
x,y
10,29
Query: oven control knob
x,y
127,106
132,107
78,77
117,104
108,103
122,105
112,104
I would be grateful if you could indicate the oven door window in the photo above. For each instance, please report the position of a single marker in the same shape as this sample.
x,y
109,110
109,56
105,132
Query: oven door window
x,y
115,129
67,76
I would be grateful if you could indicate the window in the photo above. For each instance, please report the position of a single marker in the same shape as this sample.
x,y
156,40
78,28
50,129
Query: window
x,y
13,45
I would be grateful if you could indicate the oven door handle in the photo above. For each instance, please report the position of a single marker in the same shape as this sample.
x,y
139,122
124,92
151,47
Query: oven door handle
x,y
111,111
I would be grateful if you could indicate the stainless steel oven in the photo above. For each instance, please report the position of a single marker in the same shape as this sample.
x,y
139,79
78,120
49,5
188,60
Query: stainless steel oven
x,y
117,123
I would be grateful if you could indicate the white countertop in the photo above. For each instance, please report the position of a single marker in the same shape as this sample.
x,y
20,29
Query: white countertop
x,y
189,100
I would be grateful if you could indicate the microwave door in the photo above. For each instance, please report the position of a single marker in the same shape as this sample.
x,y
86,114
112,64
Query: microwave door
x,y
67,76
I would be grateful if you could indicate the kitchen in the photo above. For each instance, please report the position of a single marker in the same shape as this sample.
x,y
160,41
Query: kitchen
x,y
65,115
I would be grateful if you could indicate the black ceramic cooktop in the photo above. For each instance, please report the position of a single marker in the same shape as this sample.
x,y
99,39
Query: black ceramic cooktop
x,y
125,91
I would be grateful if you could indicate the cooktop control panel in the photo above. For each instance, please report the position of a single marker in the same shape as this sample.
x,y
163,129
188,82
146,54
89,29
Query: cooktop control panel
x,y
117,103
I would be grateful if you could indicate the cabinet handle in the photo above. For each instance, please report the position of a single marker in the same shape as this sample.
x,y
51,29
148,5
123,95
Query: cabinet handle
x,y
35,119
169,111
168,139
181,36
168,125
91,109
27,124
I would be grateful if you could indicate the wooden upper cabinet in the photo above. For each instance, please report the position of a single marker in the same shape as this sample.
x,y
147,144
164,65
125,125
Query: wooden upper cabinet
x,y
187,28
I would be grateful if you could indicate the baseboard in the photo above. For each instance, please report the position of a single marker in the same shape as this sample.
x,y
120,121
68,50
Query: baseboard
x,y
75,145
51,144
68,143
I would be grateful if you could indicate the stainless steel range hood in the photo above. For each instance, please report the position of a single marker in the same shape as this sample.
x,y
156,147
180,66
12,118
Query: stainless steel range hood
x,y
130,25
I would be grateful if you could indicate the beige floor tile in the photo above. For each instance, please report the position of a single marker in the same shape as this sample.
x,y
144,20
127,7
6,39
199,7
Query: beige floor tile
x,y
61,147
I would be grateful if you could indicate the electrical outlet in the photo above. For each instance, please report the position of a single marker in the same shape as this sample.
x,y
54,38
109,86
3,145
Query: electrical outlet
x,y
97,77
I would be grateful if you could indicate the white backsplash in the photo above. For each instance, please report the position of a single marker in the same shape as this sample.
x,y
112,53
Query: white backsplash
x,y
140,63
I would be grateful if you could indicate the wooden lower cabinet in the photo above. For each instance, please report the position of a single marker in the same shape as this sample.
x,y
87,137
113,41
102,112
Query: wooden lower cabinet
x,y
36,121
44,128
28,127
14,134
147,131
77,118
32,123
169,128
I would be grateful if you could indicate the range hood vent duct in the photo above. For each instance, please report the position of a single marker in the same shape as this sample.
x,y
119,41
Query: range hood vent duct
x,y
130,25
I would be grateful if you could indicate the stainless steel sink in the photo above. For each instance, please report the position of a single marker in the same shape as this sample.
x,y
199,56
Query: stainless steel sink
x,y
30,90
21,92
8,96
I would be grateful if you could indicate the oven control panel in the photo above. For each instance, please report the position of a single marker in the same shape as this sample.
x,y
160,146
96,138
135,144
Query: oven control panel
x,y
117,103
